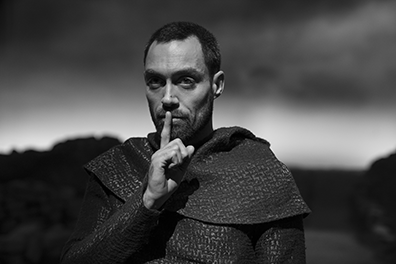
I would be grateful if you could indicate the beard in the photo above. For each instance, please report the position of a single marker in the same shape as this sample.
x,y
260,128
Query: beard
x,y
187,127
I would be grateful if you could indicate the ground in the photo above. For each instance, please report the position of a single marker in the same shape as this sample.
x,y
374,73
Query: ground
x,y
327,247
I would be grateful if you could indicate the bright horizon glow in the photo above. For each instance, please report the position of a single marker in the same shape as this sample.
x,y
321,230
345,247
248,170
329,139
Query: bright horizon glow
x,y
300,137
327,138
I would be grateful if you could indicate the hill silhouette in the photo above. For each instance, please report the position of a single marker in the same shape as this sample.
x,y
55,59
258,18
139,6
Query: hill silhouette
x,y
374,208
61,166
40,197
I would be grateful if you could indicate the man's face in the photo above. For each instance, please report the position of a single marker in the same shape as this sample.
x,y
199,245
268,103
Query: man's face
x,y
178,81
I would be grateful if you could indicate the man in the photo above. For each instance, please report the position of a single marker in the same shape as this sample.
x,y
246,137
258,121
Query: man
x,y
188,193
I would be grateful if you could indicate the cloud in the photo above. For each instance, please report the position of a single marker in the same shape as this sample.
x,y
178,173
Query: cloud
x,y
333,57
306,51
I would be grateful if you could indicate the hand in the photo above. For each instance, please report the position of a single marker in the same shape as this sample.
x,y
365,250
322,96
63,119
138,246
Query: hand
x,y
167,168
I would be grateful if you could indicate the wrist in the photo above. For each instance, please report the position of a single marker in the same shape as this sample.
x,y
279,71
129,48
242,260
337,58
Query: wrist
x,y
149,202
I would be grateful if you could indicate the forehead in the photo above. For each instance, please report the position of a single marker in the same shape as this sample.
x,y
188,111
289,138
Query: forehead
x,y
175,55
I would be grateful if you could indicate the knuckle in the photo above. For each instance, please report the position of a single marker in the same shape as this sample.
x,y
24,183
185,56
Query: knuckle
x,y
174,147
178,141
174,153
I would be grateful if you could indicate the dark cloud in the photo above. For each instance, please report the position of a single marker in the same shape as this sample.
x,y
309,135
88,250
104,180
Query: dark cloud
x,y
321,51
46,21
332,88
334,58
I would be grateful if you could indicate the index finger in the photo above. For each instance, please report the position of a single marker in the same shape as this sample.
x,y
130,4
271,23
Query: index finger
x,y
166,130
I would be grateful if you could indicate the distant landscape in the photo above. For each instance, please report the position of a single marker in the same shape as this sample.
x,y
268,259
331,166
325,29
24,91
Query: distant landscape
x,y
41,193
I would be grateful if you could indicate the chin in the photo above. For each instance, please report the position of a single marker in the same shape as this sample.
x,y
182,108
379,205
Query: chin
x,y
184,132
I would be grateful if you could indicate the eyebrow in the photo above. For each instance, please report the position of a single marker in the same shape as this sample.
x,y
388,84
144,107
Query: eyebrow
x,y
185,71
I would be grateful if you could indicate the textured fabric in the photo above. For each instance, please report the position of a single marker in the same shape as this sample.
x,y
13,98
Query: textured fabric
x,y
237,204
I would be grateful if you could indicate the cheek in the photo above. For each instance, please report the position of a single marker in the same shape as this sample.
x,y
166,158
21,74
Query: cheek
x,y
200,105
152,102
204,100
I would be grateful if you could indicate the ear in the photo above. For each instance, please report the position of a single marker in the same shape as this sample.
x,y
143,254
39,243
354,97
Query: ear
x,y
218,84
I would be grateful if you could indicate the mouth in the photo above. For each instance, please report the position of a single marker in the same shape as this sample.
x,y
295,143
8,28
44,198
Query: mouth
x,y
162,117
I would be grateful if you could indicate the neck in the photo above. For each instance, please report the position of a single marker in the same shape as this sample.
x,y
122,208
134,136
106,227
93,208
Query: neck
x,y
202,135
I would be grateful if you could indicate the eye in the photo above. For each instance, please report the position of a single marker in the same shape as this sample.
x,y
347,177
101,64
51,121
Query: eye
x,y
187,82
154,83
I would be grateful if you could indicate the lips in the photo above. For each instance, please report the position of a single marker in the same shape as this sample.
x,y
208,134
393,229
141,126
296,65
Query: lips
x,y
162,116
173,117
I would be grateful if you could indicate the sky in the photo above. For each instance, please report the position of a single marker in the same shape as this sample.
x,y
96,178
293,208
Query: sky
x,y
315,78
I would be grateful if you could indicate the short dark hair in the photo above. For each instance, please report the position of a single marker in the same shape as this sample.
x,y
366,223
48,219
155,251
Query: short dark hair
x,y
183,30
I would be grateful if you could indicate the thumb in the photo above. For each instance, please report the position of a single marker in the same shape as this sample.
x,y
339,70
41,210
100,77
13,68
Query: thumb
x,y
190,150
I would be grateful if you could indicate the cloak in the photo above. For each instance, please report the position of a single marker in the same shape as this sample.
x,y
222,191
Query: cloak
x,y
233,178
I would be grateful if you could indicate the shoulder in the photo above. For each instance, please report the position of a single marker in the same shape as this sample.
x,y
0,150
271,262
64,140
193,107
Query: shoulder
x,y
115,155
123,166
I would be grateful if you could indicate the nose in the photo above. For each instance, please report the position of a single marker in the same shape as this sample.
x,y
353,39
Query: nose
x,y
169,100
